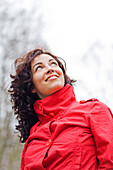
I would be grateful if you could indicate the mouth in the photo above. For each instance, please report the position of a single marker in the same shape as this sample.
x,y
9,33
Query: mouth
x,y
52,77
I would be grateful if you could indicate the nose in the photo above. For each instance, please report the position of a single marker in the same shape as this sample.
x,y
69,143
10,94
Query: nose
x,y
50,69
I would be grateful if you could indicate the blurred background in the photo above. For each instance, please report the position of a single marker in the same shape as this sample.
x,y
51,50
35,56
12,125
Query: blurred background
x,y
78,31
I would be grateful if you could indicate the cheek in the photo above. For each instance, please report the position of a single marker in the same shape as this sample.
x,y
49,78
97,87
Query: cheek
x,y
36,80
62,74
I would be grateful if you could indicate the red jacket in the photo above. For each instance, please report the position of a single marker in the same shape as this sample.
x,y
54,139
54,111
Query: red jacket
x,y
70,135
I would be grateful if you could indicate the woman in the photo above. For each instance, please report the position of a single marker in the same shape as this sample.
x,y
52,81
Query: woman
x,y
59,132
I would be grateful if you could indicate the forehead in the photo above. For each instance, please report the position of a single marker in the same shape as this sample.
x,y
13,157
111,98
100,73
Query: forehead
x,y
42,58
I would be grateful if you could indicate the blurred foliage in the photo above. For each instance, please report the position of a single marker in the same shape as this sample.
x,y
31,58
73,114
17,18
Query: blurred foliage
x,y
20,31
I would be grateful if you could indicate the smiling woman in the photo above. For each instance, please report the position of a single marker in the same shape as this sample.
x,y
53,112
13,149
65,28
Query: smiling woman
x,y
59,132
29,69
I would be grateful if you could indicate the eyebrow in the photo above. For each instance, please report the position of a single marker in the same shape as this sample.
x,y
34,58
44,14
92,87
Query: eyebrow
x,y
37,64
41,62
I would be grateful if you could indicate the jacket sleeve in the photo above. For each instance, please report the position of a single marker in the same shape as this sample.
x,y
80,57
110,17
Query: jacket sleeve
x,y
101,123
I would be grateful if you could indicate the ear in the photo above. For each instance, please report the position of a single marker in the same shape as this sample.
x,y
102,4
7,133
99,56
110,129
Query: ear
x,y
33,90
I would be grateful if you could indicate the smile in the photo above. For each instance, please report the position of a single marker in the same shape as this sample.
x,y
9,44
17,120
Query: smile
x,y
52,77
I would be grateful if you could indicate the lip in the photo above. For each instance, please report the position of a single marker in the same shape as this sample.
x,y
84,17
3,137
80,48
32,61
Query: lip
x,y
53,75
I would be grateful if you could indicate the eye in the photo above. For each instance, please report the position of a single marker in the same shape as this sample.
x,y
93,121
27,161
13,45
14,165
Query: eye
x,y
53,63
38,68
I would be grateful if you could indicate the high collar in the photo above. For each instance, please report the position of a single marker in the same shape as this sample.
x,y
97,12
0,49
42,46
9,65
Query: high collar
x,y
54,104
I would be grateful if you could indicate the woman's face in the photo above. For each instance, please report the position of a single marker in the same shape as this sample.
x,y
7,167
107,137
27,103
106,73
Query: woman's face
x,y
48,77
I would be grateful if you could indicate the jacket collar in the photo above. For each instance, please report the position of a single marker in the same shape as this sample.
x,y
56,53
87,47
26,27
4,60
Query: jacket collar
x,y
54,104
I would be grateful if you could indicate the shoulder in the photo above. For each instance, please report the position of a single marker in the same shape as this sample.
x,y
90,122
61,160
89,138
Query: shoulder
x,y
90,104
93,102
94,105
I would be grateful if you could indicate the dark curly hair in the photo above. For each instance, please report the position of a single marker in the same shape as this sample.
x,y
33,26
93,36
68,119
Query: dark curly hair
x,y
21,87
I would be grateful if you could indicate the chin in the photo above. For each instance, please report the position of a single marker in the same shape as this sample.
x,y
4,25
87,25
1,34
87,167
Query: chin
x,y
56,88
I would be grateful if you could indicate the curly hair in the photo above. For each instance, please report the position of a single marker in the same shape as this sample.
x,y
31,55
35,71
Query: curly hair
x,y
20,90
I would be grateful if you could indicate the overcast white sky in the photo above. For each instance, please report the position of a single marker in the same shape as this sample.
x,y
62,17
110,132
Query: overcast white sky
x,y
77,24
81,32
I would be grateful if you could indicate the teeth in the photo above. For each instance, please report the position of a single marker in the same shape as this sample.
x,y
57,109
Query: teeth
x,y
53,77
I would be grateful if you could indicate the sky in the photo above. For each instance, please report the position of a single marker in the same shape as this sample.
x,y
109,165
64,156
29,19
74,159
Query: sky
x,y
79,23
81,33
